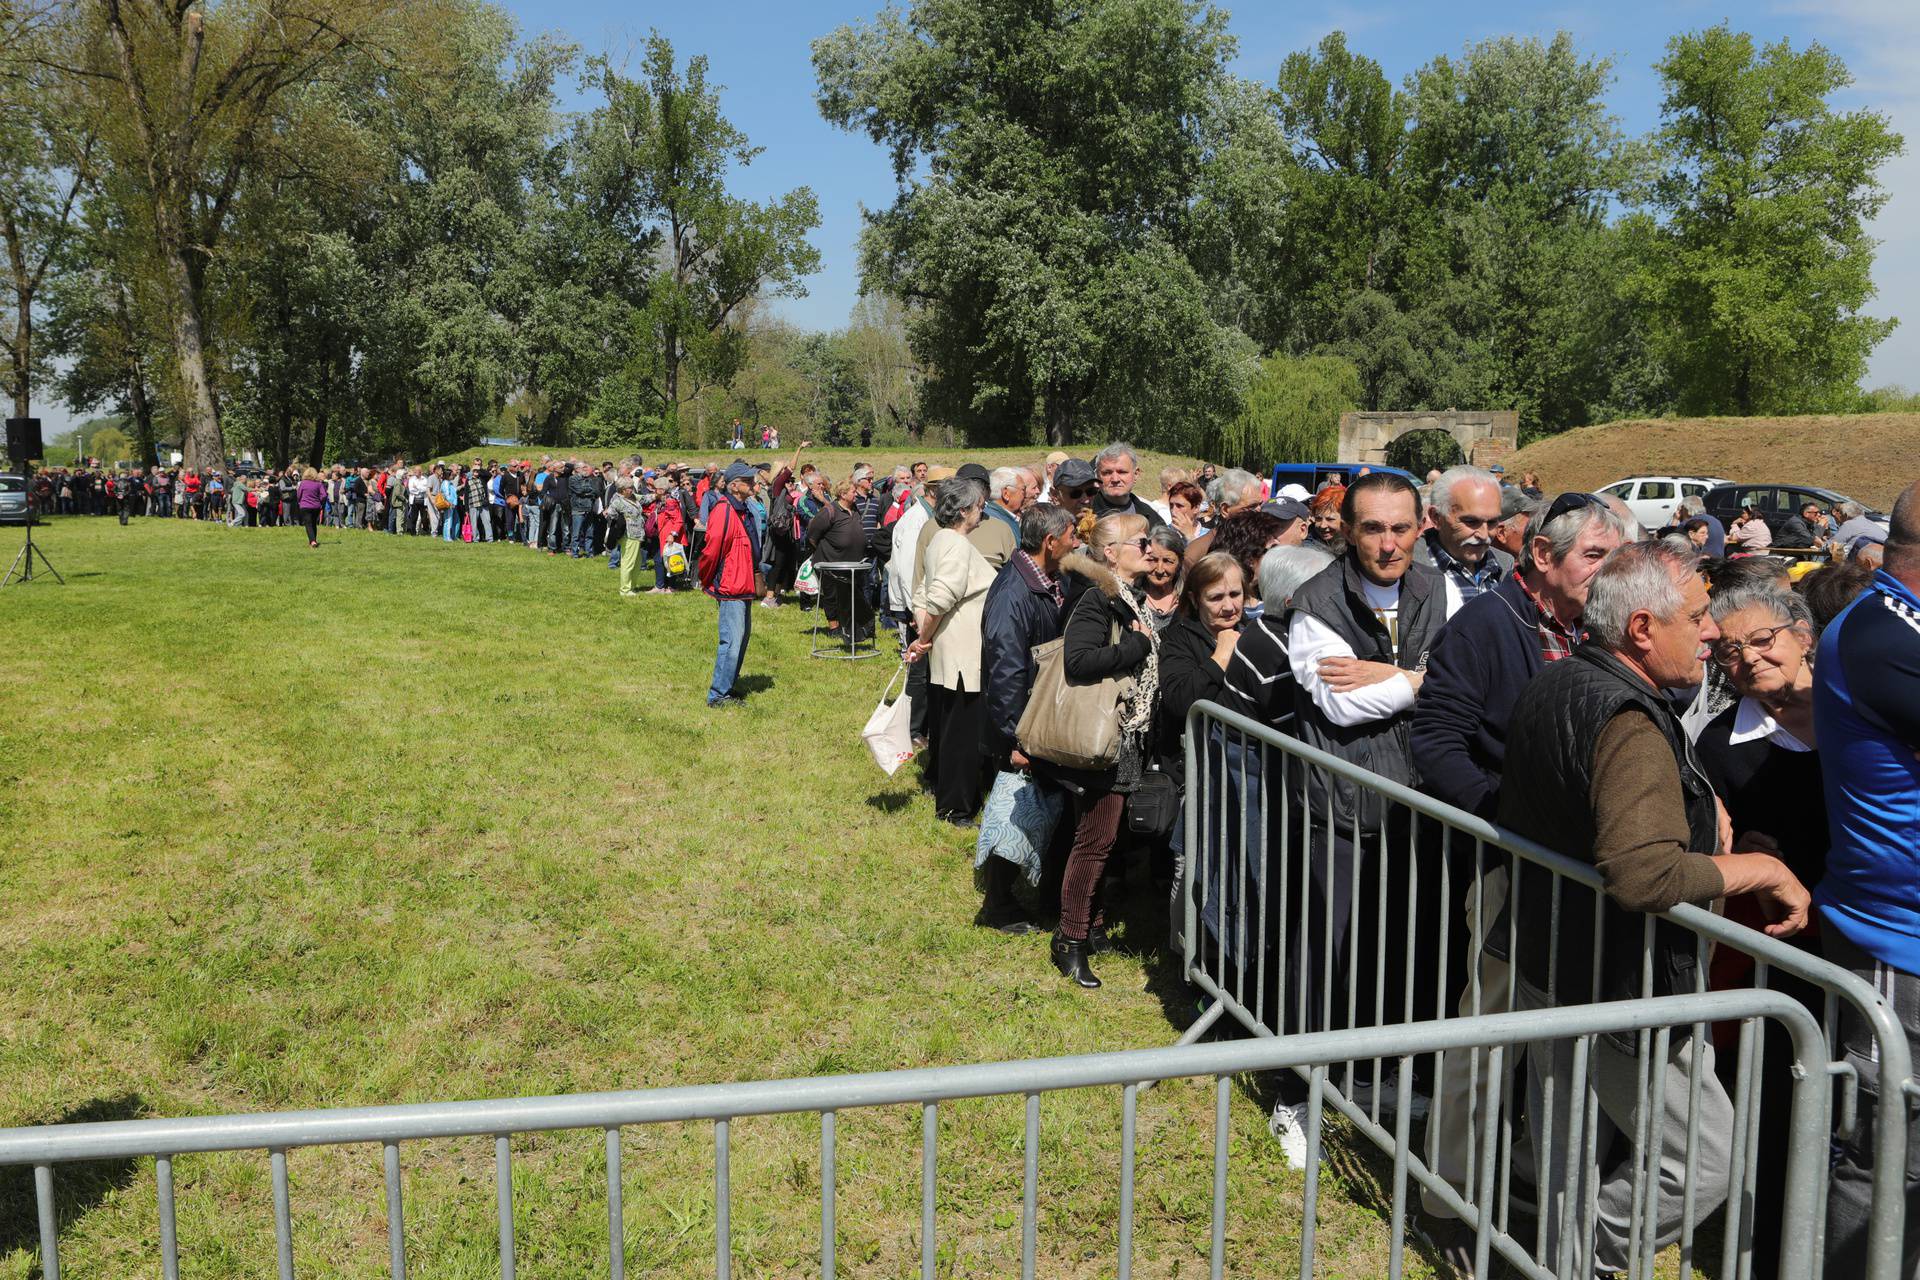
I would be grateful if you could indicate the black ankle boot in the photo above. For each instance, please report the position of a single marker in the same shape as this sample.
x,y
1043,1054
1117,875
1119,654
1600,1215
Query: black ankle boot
x,y
1070,958
1098,943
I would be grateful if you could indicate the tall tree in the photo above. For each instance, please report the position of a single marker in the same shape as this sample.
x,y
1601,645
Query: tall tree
x,y
663,151
48,156
199,87
1047,159
1756,262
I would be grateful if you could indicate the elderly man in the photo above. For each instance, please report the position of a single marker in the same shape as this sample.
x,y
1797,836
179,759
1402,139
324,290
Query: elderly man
x,y
1231,491
1117,467
1867,704
1023,612
1485,658
1854,525
997,535
1466,510
729,569
1599,770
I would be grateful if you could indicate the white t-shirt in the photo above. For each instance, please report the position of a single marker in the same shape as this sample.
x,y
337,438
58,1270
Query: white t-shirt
x,y
1310,641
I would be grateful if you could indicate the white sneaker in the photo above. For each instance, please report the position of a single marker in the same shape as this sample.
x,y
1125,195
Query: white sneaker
x,y
1289,1126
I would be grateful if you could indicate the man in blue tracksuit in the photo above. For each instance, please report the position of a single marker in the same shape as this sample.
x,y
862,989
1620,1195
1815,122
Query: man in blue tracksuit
x,y
1867,712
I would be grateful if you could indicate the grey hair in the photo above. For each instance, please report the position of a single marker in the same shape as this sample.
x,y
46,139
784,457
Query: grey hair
x,y
957,496
1118,449
1039,522
1452,477
1788,607
1848,510
862,472
1003,479
1232,481
1681,543
1561,534
1637,576
1284,570
1167,538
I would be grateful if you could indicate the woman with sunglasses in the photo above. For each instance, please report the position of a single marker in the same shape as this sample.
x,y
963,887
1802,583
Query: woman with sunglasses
x,y
1107,635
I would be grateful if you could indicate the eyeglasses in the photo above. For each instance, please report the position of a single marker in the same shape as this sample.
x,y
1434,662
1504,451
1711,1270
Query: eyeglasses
x,y
1142,543
1079,491
1731,649
1571,502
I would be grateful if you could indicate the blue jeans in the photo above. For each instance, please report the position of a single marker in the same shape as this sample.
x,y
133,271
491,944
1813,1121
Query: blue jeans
x,y
736,628
582,541
450,524
530,523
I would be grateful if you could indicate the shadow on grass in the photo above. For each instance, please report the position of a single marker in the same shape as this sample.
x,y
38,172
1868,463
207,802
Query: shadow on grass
x,y
752,684
78,1188
890,801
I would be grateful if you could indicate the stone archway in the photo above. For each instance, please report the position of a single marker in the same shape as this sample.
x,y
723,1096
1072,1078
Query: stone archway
x,y
1485,436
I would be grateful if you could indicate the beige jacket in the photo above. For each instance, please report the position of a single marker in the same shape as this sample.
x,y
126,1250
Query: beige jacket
x,y
954,579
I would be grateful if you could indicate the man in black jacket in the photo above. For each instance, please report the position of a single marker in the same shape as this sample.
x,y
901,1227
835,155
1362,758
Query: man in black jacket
x,y
583,505
1117,467
1599,770
1022,612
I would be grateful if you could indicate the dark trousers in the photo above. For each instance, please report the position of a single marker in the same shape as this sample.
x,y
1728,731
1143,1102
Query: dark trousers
x,y
959,719
1850,1188
1096,826
310,517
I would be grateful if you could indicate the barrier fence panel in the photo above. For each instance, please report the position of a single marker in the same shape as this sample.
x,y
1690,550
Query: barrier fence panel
x,y
1316,895
282,1136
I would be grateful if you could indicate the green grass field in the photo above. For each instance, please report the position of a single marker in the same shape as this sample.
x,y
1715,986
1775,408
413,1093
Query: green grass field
x,y
397,820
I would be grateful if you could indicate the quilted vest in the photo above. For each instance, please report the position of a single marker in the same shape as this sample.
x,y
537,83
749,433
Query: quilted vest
x,y
1546,795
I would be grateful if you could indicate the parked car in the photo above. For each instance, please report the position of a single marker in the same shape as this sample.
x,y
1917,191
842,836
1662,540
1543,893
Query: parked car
x,y
13,499
1774,502
1653,498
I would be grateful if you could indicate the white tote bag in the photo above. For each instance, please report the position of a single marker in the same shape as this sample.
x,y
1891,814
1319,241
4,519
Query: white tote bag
x,y
889,731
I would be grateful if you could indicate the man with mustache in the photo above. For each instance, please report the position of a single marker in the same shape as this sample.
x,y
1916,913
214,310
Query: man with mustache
x,y
1466,511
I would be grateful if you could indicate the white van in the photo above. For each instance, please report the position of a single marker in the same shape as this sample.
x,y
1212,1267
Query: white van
x,y
1653,498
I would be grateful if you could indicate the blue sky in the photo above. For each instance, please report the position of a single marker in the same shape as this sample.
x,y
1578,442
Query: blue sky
x,y
758,49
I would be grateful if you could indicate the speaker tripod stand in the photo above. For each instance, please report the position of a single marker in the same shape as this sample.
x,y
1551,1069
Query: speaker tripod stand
x,y
22,569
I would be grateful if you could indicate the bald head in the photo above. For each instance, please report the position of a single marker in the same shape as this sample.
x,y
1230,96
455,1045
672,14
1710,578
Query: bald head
x,y
1903,538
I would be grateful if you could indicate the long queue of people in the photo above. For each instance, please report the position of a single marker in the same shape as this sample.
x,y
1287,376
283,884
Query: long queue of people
x,y
1699,729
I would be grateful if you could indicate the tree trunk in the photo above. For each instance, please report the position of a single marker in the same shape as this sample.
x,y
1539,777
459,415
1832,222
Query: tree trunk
x,y
318,456
201,440
1059,419
142,409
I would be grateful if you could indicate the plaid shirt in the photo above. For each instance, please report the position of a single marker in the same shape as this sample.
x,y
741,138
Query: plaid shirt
x,y
1050,585
1556,641
1468,582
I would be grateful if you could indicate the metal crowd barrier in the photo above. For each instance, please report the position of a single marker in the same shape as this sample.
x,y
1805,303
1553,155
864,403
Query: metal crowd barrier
x,y
281,1135
1254,927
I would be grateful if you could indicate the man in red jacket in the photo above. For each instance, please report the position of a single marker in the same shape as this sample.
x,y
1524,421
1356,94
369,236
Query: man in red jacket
x,y
729,564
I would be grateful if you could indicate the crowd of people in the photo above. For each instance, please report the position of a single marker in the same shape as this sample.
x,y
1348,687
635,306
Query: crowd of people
x,y
1692,716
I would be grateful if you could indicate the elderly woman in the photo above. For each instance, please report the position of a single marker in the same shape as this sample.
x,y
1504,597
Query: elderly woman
x,y
949,605
835,536
1197,647
1107,635
1166,558
1763,760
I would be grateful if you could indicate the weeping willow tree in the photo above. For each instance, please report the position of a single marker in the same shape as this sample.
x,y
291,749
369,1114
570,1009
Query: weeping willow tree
x,y
1292,413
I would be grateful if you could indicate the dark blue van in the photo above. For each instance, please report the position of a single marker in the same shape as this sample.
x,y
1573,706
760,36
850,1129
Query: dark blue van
x,y
1311,475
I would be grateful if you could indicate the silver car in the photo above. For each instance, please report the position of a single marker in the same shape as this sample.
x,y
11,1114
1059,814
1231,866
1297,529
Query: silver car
x,y
13,499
